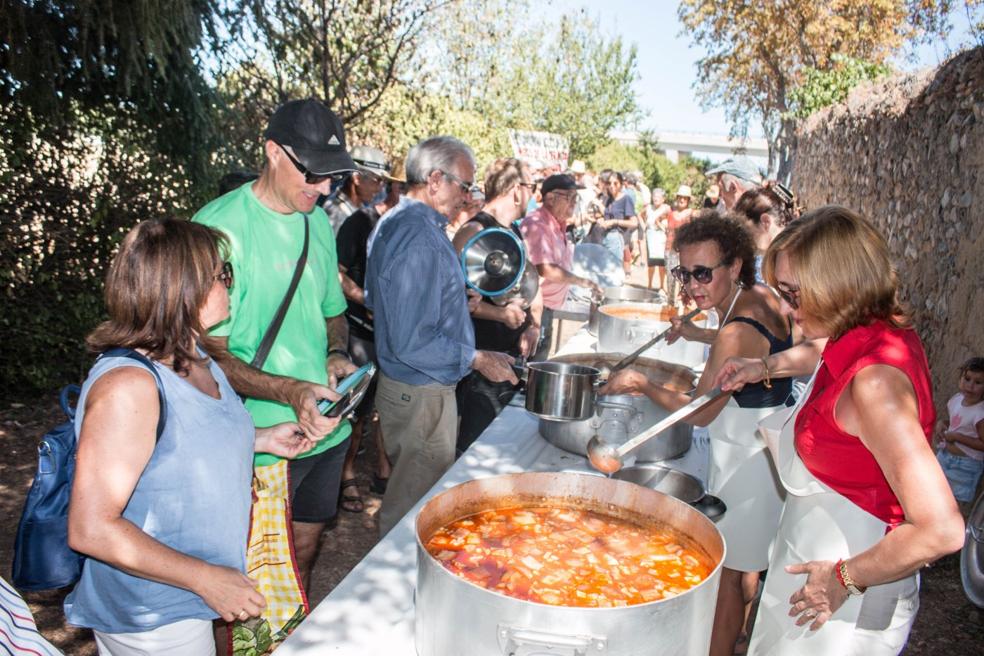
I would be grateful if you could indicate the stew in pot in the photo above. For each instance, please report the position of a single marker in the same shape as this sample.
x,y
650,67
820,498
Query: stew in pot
x,y
568,557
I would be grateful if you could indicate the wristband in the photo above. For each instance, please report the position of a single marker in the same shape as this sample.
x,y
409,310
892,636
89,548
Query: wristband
x,y
338,351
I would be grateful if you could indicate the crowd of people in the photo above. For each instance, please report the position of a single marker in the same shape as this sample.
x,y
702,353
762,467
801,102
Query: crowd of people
x,y
329,259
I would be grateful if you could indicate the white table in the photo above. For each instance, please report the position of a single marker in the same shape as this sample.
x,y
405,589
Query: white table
x,y
371,611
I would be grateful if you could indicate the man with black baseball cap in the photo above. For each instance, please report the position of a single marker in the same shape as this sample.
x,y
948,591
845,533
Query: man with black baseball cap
x,y
269,224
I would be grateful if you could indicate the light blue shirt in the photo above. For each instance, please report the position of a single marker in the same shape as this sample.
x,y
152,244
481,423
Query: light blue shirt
x,y
193,496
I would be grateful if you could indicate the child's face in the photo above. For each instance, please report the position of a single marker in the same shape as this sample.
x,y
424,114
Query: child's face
x,y
972,385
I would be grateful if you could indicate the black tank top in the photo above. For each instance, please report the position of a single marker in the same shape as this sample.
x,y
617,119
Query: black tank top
x,y
494,335
756,395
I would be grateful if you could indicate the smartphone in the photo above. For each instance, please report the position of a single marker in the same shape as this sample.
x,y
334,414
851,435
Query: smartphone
x,y
345,388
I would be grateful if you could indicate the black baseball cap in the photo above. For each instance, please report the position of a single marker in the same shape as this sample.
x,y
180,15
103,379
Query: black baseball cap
x,y
559,181
314,133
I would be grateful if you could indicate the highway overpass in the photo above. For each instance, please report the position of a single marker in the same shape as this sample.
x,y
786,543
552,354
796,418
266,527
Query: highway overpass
x,y
675,144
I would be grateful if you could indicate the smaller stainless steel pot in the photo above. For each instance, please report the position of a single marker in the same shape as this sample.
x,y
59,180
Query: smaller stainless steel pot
x,y
561,392
623,294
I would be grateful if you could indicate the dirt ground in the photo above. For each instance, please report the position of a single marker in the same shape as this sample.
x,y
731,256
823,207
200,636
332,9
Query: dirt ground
x,y
947,622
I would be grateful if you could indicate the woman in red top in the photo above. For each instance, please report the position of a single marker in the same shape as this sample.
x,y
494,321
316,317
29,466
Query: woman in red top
x,y
867,505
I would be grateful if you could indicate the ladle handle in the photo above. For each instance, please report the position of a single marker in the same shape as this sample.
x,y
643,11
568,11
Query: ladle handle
x,y
673,418
629,359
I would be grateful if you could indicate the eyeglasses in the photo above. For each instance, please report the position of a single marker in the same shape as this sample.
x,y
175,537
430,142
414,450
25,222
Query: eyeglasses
x,y
466,187
530,185
309,177
700,273
789,295
225,275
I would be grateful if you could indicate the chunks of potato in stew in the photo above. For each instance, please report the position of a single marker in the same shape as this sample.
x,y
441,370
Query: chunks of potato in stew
x,y
568,557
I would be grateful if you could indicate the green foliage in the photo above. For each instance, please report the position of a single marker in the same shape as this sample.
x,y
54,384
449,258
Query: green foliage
x,y
822,88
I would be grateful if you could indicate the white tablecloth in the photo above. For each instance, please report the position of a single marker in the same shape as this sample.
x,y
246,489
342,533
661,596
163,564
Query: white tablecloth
x,y
370,612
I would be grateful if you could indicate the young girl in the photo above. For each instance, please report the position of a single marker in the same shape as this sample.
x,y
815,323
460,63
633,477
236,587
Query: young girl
x,y
961,450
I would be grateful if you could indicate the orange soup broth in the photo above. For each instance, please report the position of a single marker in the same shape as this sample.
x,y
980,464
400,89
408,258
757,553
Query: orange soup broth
x,y
568,557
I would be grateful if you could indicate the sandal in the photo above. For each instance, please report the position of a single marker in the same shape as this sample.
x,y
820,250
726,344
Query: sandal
x,y
351,502
378,484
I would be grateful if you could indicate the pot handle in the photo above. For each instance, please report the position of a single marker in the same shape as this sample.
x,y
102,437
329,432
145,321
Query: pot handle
x,y
516,641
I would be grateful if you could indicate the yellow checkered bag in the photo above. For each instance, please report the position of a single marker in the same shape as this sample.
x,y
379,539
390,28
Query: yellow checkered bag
x,y
270,561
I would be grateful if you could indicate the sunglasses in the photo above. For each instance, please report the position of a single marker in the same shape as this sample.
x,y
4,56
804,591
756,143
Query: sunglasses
x,y
466,187
700,273
309,177
789,295
225,275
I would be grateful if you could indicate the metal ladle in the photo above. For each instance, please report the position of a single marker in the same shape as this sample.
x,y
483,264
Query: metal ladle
x,y
607,458
607,371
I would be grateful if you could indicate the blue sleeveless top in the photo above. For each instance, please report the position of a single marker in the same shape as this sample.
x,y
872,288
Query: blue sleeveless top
x,y
755,395
194,496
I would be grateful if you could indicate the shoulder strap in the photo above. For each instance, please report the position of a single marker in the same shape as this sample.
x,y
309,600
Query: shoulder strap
x,y
271,333
120,352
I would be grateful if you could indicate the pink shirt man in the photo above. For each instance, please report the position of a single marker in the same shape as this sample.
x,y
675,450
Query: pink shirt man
x,y
546,243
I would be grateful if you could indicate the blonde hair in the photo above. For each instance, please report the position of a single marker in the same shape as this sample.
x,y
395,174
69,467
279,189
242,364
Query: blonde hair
x,y
844,270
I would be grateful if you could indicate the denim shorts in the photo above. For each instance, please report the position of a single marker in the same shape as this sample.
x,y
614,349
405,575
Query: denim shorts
x,y
962,473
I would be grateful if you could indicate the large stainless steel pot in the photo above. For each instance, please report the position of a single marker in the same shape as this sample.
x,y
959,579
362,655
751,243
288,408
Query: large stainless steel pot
x,y
454,616
622,335
619,417
560,391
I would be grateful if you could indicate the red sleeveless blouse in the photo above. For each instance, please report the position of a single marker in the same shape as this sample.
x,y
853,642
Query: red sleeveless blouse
x,y
838,459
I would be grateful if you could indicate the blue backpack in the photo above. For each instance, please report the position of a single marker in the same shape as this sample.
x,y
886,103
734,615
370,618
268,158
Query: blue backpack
x,y
42,557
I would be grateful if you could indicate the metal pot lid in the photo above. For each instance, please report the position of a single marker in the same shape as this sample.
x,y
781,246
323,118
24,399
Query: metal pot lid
x,y
972,555
493,261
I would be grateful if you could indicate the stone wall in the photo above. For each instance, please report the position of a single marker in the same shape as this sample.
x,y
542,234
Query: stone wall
x,y
908,153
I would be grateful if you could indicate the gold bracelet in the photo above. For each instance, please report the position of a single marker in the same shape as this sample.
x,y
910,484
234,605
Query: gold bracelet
x,y
767,383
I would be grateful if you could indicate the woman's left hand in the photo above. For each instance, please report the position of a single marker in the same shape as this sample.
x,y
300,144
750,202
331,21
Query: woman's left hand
x,y
626,381
820,596
285,440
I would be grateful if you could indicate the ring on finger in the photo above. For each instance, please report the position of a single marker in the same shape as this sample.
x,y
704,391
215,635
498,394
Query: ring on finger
x,y
243,614
809,612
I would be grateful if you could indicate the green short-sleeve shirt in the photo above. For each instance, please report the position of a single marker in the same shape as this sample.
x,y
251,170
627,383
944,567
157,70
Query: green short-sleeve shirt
x,y
264,248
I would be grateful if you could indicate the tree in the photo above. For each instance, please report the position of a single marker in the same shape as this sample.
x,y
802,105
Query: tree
x,y
757,52
61,58
348,53
821,89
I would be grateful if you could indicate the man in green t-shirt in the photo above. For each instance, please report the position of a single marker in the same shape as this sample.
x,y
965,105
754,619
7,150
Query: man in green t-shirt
x,y
264,223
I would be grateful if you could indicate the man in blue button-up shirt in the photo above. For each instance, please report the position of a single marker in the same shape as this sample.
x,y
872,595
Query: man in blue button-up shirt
x,y
425,342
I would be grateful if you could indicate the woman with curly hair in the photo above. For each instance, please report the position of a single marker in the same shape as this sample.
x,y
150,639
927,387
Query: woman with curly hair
x,y
717,271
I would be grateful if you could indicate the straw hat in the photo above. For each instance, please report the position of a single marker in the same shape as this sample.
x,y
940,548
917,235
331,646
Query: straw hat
x,y
684,190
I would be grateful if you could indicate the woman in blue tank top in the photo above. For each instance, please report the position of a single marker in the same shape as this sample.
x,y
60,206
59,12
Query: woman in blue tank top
x,y
164,522
717,270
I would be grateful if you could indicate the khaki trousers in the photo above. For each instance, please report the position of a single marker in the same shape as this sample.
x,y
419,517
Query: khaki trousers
x,y
419,424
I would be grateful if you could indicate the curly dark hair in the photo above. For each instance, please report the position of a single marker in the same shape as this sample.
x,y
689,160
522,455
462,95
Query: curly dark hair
x,y
731,238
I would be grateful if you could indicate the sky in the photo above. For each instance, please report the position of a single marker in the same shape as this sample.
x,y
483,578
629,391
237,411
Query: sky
x,y
667,62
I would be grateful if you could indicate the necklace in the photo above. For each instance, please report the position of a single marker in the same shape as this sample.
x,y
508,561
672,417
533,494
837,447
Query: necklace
x,y
731,307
